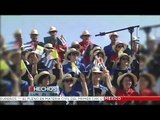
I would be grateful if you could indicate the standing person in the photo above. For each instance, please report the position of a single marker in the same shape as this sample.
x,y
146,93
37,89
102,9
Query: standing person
x,y
34,37
58,43
85,36
151,46
18,37
109,52
126,84
135,47
109,48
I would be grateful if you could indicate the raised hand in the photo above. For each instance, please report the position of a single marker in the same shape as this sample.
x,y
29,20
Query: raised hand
x,y
82,77
30,77
35,59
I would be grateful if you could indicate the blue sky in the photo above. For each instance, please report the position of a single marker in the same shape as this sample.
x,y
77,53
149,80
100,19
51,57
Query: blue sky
x,y
72,26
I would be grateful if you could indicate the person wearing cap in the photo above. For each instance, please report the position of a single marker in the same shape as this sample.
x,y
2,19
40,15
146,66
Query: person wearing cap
x,y
146,84
147,81
71,65
126,84
135,46
57,42
53,33
44,78
18,37
108,49
77,46
85,36
33,59
49,49
143,61
121,67
15,66
15,62
34,37
67,84
98,58
57,68
118,48
151,47
96,87
95,82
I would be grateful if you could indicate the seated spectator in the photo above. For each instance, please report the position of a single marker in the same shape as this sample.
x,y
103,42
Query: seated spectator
x,y
71,64
118,48
126,84
98,58
123,66
67,83
78,47
147,81
44,78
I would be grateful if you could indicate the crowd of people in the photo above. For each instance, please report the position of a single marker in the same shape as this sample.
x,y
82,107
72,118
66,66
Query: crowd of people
x,y
81,69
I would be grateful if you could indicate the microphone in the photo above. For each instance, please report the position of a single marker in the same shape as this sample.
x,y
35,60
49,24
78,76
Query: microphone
x,y
149,27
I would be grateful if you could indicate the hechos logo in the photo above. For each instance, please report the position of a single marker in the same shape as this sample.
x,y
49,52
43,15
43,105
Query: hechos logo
x,y
43,89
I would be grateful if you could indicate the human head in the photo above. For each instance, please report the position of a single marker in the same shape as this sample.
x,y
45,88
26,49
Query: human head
x,y
53,31
114,37
127,81
44,78
72,54
34,35
85,35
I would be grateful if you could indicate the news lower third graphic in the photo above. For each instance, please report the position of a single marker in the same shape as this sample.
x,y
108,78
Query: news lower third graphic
x,y
87,98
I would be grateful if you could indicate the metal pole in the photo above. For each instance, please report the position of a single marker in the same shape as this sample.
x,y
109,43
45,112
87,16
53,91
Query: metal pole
x,y
104,33
131,30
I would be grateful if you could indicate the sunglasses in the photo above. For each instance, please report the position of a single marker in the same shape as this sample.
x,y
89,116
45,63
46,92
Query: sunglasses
x,y
120,46
76,46
125,58
74,54
69,80
96,73
49,48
